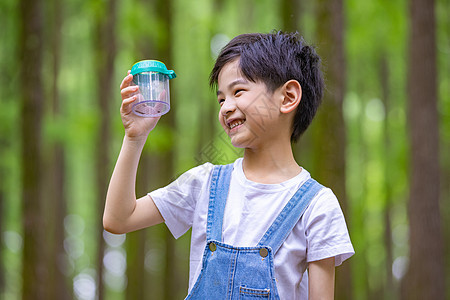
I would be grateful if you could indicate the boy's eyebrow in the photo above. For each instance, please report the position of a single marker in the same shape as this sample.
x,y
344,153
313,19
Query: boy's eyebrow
x,y
232,84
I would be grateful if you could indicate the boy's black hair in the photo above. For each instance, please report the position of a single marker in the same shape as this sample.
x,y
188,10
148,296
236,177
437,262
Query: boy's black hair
x,y
274,59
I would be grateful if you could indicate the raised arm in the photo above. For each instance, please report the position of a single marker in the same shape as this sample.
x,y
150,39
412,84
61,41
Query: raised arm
x,y
123,213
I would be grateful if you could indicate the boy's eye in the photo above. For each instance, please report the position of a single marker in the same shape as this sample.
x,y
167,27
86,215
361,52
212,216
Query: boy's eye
x,y
238,92
221,101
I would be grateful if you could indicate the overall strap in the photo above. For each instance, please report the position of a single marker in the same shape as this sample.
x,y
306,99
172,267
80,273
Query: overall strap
x,y
290,215
218,193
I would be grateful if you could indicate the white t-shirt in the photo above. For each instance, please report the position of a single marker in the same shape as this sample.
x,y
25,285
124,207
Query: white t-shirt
x,y
250,210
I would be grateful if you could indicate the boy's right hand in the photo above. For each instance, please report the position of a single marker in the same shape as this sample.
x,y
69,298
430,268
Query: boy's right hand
x,y
136,127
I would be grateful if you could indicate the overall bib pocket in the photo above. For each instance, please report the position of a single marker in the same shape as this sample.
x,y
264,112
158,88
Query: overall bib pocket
x,y
251,293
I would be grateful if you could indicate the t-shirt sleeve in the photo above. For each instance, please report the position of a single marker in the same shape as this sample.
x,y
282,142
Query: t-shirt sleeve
x,y
177,201
325,229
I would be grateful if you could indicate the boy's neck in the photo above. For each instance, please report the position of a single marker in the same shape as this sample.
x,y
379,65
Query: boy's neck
x,y
271,165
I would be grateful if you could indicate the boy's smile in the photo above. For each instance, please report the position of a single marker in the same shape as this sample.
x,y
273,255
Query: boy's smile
x,y
234,123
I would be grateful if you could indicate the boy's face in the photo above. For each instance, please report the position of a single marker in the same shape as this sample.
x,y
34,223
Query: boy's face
x,y
248,112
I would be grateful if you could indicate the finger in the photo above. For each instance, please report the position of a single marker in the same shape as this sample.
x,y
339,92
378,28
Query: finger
x,y
126,81
129,100
125,92
127,104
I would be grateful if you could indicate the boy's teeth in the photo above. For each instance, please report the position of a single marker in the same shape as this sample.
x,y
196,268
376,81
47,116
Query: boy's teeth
x,y
236,123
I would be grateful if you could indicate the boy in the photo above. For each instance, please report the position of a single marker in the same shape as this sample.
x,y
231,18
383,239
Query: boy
x,y
258,223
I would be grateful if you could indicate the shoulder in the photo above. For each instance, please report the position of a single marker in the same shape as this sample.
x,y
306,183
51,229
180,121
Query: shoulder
x,y
325,201
200,170
196,176
324,210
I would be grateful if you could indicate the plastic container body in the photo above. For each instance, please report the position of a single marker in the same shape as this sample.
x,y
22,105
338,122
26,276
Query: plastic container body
x,y
153,96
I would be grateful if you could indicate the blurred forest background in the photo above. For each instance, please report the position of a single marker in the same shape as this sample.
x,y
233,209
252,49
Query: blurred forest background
x,y
381,139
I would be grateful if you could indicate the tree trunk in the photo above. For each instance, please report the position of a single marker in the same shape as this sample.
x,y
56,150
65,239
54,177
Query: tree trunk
x,y
57,284
136,266
388,180
425,276
30,46
105,53
329,136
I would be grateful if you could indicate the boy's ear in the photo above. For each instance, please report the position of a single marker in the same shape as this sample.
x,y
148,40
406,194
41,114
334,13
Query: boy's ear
x,y
292,94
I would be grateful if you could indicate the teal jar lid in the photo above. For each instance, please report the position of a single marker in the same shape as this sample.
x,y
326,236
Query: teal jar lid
x,y
152,66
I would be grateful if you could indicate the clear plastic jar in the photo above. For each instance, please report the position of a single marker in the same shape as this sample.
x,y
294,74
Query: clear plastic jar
x,y
153,96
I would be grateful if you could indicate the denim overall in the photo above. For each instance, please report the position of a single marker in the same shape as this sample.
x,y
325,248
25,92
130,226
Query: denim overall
x,y
230,272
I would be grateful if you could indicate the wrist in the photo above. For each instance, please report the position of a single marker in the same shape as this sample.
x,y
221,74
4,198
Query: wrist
x,y
138,142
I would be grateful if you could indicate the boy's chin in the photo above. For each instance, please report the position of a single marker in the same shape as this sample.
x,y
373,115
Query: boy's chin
x,y
239,142
238,146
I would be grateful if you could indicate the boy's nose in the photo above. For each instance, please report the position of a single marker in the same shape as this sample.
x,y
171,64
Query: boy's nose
x,y
228,106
